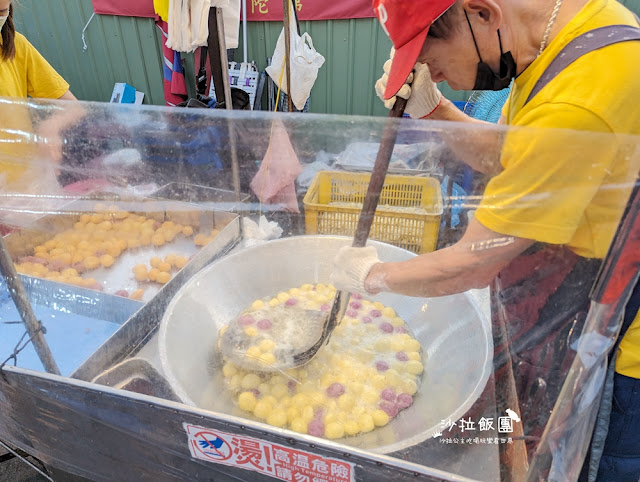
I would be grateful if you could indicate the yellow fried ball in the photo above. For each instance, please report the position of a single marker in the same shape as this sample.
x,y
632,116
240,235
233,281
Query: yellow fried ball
x,y
106,260
247,401
157,240
91,262
153,274
277,418
267,358
414,367
180,262
137,295
253,352
334,430
140,272
267,345
380,418
299,425
200,239
164,266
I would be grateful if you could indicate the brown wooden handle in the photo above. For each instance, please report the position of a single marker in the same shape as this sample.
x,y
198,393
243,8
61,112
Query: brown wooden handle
x,y
377,176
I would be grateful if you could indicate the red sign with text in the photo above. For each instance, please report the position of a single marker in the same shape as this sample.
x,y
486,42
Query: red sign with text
x,y
268,458
257,10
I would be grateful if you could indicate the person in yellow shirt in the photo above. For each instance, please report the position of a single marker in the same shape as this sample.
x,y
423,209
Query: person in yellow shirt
x,y
550,211
25,73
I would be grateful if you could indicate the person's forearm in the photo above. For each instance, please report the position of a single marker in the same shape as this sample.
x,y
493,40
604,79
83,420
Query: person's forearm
x,y
434,274
62,118
50,130
68,95
473,262
478,147
447,111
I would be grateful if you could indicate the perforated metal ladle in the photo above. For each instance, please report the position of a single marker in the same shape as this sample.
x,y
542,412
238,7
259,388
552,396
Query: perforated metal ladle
x,y
321,324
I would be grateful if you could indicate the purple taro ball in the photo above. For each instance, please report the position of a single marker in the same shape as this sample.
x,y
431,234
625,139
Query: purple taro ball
x,y
246,320
402,356
264,324
389,408
291,302
375,313
352,313
316,428
401,329
386,327
366,319
404,400
388,394
356,305
356,296
335,390
382,366
325,307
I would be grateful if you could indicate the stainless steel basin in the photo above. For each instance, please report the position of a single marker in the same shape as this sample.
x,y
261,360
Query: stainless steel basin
x,y
452,331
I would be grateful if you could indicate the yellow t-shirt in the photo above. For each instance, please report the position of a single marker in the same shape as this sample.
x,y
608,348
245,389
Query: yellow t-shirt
x,y
563,187
27,74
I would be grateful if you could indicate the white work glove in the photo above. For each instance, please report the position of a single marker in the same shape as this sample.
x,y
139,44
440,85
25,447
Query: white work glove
x,y
423,95
351,267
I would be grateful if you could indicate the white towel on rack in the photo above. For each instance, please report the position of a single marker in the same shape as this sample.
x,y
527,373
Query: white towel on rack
x,y
189,23
231,21
200,21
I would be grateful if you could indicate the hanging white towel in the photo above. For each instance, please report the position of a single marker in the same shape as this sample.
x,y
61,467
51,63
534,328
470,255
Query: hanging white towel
x,y
189,23
200,21
231,20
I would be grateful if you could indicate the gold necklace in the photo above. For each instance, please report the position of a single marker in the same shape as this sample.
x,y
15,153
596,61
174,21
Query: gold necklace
x,y
552,20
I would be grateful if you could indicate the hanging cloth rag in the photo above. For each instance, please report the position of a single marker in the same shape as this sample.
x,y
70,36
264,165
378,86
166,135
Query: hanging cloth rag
x,y
189,27
175,87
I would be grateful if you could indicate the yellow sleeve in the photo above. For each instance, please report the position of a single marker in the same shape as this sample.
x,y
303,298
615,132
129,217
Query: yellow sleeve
x,y
42,79
161,7
550,175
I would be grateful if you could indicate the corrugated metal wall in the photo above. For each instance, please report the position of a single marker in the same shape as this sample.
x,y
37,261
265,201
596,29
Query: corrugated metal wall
x,y
122,49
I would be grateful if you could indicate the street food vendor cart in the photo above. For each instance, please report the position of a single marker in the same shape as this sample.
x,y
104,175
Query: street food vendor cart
x,y
133,267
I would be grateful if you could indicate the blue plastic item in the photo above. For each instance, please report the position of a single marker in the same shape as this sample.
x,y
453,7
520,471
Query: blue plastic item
x,y
72,337
486,105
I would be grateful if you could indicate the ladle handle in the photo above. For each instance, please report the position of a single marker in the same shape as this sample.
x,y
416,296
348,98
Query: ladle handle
x,y
380,168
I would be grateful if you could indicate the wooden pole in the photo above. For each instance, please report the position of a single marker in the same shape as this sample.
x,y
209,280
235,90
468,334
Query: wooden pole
x,y
20,298
217,40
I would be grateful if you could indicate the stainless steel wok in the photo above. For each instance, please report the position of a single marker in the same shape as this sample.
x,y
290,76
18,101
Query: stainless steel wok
x,y
452,330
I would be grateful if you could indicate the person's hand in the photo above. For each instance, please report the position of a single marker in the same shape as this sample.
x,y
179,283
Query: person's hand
x,y
50,143
422,94
50,148
351,267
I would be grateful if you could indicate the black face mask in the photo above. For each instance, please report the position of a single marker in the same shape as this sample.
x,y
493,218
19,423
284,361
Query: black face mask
x,y
487,79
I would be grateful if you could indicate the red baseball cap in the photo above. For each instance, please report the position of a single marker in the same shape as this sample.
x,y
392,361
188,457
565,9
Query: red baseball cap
x,y
407,24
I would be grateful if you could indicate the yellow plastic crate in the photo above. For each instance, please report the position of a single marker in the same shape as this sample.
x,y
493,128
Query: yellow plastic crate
x,y
408,213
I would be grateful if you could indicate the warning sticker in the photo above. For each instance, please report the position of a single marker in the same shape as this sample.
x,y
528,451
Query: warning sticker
x,y
264,457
